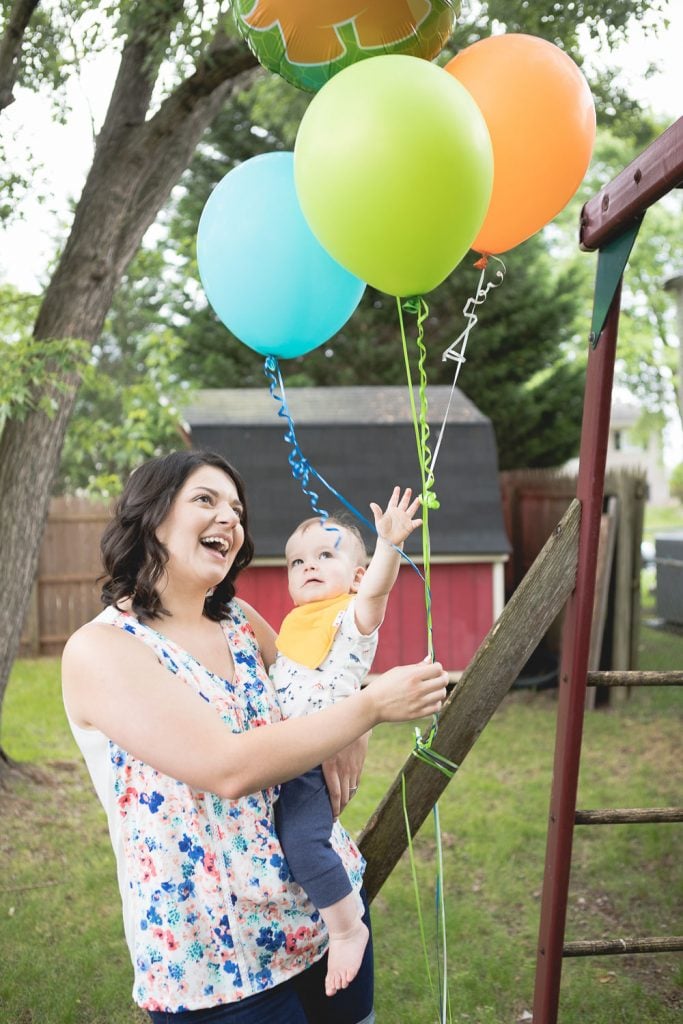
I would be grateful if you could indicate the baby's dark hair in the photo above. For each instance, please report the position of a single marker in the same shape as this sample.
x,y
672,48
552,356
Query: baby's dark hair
x,y
132,555
342,521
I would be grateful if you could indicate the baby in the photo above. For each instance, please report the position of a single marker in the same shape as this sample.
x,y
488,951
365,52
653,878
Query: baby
x,y
325,650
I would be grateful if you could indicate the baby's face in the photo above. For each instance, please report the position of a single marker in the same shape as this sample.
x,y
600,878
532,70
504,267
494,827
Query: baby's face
x,y
321,563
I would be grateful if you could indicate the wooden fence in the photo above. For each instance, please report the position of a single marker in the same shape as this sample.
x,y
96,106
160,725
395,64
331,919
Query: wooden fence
x,y
65,593
534,501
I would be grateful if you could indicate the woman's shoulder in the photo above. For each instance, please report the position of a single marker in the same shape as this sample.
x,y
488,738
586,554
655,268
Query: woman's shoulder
x,y
240,609
98,639
93,660
263,631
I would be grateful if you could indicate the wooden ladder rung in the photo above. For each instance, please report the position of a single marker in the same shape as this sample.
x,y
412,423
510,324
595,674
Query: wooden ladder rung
x,y
609,947
628,815
635,678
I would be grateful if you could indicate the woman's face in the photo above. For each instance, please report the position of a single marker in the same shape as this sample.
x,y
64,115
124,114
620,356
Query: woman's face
x,y
202,531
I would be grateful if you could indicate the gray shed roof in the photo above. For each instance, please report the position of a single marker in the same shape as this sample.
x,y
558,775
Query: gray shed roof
x,y
322,406
361,440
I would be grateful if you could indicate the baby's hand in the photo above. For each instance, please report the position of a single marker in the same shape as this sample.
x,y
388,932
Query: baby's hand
x,y
397,522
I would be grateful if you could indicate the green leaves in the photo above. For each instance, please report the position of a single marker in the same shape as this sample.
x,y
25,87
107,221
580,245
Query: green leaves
x,y
32,372
127,410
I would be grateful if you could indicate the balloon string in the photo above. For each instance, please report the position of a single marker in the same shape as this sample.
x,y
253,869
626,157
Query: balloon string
x,y
300,466
430,500
444,995
456,350
416,886
302,470
421,429
423,751
411,395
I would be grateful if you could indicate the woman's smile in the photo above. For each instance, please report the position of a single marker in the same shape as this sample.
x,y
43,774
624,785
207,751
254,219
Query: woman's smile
x,y
217,545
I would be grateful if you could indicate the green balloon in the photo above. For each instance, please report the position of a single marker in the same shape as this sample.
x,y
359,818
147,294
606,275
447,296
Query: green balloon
x,y
394,169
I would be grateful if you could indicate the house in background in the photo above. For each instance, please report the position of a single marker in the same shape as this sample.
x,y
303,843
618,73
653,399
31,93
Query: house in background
x,y
361,440
625,451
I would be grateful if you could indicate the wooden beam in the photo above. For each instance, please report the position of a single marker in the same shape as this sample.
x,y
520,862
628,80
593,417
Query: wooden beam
x,y
635,678
609,523
646,179
609,947
481,688
629,815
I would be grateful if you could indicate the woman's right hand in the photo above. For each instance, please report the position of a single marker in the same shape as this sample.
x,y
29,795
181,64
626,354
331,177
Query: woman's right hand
x,y
409,691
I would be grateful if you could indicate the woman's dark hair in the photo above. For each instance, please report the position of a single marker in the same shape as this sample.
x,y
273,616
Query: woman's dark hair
x,y
132,555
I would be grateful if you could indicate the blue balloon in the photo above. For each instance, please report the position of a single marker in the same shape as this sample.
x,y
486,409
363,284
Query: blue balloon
x,y
265,274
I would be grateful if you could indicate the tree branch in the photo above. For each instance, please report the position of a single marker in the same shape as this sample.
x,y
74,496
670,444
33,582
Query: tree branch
x,y
172,135
138,71
10,48
132,173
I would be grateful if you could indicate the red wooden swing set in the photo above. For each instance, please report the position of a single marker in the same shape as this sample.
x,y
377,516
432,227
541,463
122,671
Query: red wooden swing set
x,y
609,223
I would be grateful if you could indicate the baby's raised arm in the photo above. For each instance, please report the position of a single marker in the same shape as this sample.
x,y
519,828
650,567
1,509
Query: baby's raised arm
x,y
393,525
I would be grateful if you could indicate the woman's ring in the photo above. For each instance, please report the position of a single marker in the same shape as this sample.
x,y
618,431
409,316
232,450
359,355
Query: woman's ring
x,y
353,790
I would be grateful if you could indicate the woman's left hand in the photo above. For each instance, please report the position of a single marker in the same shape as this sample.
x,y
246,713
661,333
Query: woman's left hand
x,y
343,771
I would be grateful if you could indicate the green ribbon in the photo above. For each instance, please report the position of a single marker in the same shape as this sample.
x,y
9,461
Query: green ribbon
x,y
424,455
444,993
416,886
423,749
442,997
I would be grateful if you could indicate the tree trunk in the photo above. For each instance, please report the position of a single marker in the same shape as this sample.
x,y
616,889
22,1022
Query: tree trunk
x,y
10,48
29,453
136,164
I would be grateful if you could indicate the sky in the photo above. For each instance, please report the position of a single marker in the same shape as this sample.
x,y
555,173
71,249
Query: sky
x,y
65,151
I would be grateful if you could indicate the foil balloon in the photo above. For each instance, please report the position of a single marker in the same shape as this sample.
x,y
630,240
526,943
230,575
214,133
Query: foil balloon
x,y
309,41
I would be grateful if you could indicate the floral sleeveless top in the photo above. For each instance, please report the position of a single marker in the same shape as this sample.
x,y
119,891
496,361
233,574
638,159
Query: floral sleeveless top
x,y
211,912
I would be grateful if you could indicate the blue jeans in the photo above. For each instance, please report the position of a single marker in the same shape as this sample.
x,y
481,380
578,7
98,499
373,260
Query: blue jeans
x,y
301,1000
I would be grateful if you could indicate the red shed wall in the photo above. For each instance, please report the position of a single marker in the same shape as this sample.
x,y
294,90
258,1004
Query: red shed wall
x,y
462,611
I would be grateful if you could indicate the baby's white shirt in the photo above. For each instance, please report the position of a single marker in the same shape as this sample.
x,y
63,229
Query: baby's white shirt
x,y
301,690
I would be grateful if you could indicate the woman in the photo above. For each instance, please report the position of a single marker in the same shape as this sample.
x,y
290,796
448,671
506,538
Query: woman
x,y
169,700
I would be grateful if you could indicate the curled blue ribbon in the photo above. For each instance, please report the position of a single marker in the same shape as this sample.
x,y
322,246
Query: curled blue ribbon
x,y
302,470
301,467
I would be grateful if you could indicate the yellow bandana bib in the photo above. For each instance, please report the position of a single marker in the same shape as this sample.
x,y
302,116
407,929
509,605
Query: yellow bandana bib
x,y
307,633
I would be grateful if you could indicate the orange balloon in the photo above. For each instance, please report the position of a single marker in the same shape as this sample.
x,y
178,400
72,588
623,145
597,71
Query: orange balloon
x,y
541,118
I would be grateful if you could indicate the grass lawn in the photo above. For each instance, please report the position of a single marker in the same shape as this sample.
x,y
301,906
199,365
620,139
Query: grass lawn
x,y
62,951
